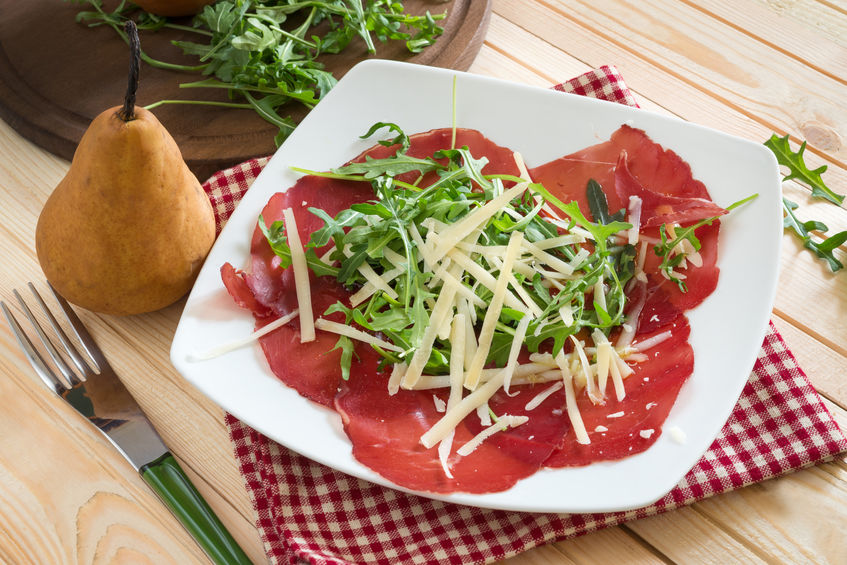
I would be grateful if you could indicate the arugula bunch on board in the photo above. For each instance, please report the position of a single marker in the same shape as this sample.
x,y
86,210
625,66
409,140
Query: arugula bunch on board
x,y
264,52
812,178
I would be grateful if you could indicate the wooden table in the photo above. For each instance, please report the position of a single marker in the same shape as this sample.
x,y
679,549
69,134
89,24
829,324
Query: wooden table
x,y
747,68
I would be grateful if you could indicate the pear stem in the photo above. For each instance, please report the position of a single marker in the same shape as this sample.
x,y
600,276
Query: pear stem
x,y
127,113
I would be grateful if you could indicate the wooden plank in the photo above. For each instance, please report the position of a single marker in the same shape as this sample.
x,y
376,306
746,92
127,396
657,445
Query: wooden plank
x,y
666,82
772,24
824,367
785,519
824,17
684,536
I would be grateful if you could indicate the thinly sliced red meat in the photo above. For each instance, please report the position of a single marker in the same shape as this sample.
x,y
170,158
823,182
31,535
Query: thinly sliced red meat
x,y
658,208
657,169
650,393
385,432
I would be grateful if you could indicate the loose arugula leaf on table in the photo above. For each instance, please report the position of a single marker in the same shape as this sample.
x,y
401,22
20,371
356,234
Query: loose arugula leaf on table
x,y
823,249
798,169
800,172
266,51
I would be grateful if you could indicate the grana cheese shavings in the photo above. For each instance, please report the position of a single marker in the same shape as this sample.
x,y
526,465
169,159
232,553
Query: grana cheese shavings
x,y
353,333
543,395
241,342
570,401
492,315
397,373
514,351
301,278
502,424
458,231
468,404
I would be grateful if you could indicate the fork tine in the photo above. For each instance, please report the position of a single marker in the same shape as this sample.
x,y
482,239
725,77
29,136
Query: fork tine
x,y
70,378
35,359
82,334
70,349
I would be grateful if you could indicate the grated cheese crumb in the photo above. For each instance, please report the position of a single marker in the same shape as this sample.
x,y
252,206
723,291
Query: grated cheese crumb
x,y
646,434
615,415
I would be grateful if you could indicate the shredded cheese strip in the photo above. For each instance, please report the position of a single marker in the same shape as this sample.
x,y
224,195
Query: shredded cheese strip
x,y
397,373
492,315
634,219
526,373
487,280
369,288
595,396
468,404
502,424
423,248
651,342
241,342
514,351
443,307
553,262
464,309
458,231
353,333
567,239
543,395
301,277
604,358
570,401
457,372
527,300
617,378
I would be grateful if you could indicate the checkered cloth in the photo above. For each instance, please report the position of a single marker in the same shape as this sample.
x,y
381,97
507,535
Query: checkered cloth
x,y
307,511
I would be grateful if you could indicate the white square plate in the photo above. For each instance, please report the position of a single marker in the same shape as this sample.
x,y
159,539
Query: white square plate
x,y
726,330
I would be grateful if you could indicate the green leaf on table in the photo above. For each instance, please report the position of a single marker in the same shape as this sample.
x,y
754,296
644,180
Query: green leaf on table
x,y
798,169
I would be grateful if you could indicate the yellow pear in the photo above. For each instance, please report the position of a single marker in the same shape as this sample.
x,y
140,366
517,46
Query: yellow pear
x,y
126,231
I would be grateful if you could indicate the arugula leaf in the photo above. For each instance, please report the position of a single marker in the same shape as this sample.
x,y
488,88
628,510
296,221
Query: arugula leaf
x,y
598,205
823,249
798,169
250,48
667,248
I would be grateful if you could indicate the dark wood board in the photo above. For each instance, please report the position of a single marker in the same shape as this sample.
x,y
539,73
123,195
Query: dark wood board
x,y
56,75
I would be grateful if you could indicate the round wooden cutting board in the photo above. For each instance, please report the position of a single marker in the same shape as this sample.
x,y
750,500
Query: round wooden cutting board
x,y
56,75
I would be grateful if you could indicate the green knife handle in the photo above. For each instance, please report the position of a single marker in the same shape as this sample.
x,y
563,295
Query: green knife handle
x,y
166,477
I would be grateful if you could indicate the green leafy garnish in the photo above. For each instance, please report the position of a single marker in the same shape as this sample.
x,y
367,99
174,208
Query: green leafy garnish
x,y
800,172
823,249
415,200
670,248
265,52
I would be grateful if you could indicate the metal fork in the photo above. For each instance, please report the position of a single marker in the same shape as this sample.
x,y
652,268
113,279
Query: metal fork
x,y
93,388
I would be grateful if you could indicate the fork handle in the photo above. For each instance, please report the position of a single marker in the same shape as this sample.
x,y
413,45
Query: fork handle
x,y
166,477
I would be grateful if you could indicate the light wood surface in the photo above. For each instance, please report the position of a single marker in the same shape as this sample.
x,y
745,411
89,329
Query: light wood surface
x,y
747,68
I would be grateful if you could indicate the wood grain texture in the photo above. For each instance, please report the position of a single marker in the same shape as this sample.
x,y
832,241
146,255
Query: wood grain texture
x,y
66,497
51,90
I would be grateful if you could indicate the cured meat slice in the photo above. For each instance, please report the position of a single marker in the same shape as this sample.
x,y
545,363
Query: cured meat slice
x,y
657,169
385,432
621,428
659,208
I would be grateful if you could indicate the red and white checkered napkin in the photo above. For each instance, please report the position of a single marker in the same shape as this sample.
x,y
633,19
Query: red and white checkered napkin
x,y
307,511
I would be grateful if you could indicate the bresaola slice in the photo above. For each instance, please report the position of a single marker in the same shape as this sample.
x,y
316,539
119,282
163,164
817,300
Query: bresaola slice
x,y
385,433
385,430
